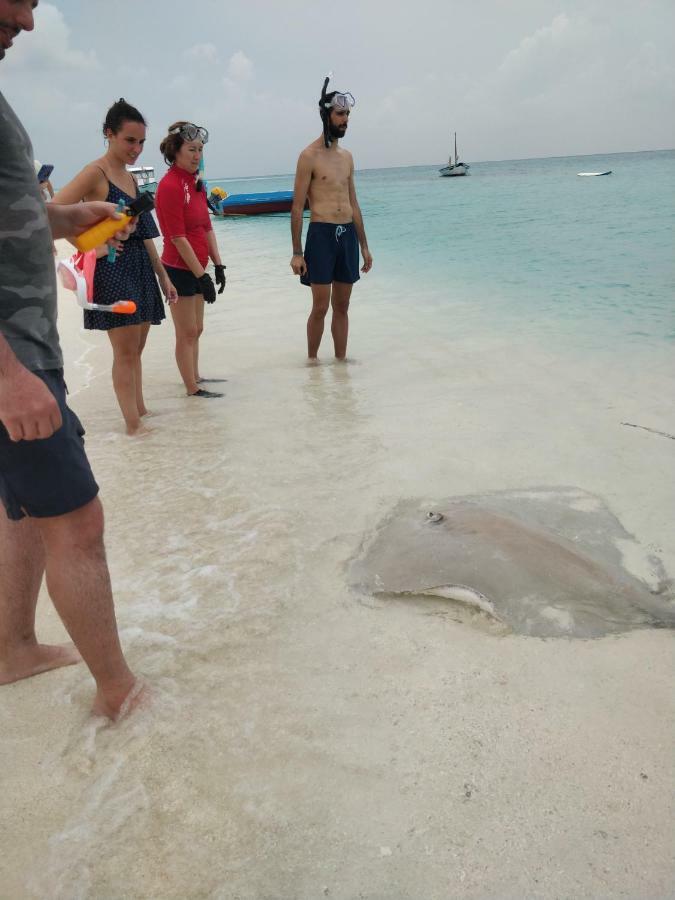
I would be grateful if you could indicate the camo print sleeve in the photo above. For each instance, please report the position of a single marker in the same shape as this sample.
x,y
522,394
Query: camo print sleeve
x,y
27,273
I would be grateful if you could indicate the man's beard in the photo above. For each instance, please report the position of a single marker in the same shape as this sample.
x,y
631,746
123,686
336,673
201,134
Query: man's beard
x,y
336,131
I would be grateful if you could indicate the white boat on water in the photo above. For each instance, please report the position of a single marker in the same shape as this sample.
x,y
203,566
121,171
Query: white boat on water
x,y
144,177
593,174
456,168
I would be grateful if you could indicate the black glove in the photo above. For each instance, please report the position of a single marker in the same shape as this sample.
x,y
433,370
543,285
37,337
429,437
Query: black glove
x,y
220,277
208,288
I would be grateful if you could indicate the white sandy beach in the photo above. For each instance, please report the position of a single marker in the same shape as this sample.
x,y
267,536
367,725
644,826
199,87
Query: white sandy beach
x,y
304,741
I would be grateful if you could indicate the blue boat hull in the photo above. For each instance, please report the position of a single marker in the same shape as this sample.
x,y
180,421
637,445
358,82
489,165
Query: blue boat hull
x,y
256,204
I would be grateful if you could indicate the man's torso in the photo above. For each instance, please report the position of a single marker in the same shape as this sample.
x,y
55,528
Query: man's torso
x,y
329,187
27,273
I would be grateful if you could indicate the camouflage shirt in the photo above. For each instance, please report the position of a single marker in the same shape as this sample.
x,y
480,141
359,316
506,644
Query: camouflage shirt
x,y
27,273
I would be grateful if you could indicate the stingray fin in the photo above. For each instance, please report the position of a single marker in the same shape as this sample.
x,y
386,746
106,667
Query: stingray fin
x,y
462,593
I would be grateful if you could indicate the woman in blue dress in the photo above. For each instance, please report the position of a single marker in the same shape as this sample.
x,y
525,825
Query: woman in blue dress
x,y
134,273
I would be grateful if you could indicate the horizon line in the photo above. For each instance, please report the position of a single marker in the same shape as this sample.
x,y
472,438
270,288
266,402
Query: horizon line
x,y
429,165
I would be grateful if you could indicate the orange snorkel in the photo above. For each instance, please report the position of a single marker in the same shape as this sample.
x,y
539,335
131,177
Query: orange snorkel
x,y
77,275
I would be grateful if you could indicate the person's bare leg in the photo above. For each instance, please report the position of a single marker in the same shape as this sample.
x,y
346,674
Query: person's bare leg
x,y
320,304
185,322
140,401
21,570
79,585
199,316
340,323
125,342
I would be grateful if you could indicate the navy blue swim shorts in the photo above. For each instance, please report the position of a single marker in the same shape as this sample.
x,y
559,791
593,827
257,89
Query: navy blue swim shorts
x,y
331,254
48,477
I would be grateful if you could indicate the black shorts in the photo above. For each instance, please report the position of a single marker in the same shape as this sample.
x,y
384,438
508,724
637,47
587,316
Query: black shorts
x,y
184,281
331,254
49,477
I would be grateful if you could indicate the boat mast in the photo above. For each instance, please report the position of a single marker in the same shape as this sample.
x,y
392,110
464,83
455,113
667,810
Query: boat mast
x,y
455,148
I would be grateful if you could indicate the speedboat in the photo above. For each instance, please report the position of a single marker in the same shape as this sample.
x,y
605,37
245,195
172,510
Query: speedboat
x,y
144,177
255,204
593,174
456,168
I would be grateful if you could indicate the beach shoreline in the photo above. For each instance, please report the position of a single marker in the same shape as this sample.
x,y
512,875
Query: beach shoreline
x,y
307,741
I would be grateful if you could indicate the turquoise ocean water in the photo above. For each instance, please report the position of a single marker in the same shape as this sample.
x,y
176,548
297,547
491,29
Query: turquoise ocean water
x,y
521,245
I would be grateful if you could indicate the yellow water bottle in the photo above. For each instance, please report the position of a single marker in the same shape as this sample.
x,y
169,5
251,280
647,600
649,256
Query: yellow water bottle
x,y
104,230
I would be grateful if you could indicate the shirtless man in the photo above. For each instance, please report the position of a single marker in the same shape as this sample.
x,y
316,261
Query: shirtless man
x,y
330,263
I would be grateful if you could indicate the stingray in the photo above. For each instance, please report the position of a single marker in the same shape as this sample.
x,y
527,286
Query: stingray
x,y
548,562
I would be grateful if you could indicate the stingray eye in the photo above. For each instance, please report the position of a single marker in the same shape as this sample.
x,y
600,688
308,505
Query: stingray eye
x,y
434,518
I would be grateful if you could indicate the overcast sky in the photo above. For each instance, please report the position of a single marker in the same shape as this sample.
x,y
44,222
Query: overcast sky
x,y
514,78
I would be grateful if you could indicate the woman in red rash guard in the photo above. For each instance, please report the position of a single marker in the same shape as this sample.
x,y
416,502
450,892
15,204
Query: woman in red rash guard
x,y
189,241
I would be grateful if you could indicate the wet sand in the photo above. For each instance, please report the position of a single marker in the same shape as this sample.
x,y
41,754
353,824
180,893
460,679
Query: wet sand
x,y
305,741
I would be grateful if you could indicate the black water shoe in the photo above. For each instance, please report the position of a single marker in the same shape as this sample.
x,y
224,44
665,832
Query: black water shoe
x,y
202,393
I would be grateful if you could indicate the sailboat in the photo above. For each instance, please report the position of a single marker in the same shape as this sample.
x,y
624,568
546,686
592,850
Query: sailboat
x,y
456,168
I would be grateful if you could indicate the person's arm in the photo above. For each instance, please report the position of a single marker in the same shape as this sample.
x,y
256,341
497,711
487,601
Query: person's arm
x,y
69,221
188,255
303,177
214,252
165,284
358,225
28,409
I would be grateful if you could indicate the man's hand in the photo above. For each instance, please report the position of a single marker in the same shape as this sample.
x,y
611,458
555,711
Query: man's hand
x,y
298,264
72,220
367,261
28,409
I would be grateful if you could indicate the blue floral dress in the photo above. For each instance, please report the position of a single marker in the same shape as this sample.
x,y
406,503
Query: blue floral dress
x,y
130,277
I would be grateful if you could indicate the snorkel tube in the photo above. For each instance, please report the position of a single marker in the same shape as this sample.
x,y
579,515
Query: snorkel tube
x,y
77,275
201,173
325,113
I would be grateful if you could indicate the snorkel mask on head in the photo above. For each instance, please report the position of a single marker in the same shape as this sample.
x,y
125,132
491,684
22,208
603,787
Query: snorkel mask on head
x,y
190,132
338,100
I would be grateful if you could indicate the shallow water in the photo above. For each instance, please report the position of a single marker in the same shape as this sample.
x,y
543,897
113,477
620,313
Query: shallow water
x,y
524,245
300,740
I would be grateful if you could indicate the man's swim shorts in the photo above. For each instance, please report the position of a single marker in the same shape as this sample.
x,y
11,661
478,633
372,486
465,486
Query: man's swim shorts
x,y
50,476
331,254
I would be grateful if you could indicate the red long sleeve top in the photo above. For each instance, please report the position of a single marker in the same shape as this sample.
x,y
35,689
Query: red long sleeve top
x,y
182,212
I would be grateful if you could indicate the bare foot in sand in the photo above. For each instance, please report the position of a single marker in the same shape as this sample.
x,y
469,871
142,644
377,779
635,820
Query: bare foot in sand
x,y
313,361
140,431
36,659
117,706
